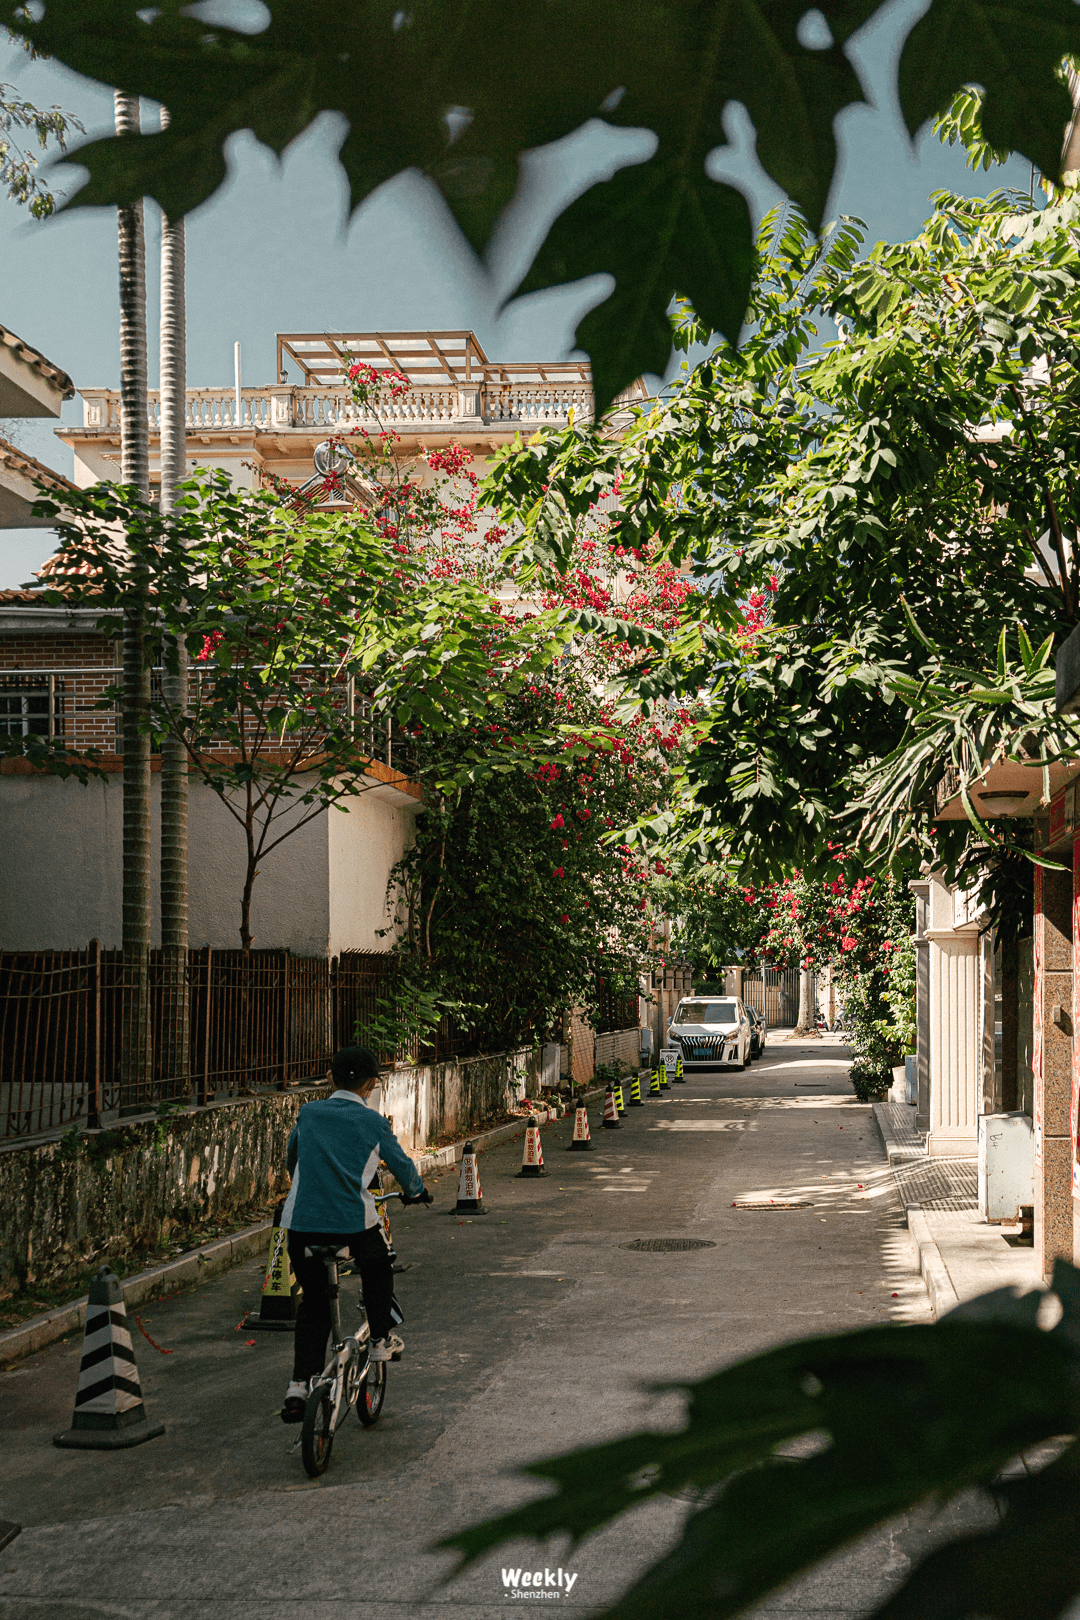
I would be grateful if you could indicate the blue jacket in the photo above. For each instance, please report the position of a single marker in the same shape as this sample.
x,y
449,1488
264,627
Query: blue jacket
x,y
333,1154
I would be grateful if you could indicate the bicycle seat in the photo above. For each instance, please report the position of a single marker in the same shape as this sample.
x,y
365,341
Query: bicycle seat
x,y
327,1251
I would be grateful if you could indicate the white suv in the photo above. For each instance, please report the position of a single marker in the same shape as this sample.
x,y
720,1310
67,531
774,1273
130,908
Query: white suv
x,y
713,1032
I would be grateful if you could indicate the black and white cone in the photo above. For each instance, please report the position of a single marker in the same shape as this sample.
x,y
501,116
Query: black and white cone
x,y
470,1200
109,1411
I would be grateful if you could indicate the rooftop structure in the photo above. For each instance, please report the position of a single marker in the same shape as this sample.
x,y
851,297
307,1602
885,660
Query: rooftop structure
x,y
455,393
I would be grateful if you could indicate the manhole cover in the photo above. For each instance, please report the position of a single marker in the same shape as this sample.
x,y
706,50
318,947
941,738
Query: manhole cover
x,y
667,1245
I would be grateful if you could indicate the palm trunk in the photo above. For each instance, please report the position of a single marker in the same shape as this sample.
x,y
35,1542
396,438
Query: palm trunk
x,y
136,1061
174,768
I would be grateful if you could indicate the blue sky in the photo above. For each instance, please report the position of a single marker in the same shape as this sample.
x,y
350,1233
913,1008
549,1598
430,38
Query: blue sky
x,y
274,250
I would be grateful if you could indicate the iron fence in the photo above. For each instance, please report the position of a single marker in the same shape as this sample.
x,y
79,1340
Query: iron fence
x,y
774,993
269,1020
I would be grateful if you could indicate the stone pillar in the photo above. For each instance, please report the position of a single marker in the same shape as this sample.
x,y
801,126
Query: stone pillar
x,y
1052,1063
955,1056
921,891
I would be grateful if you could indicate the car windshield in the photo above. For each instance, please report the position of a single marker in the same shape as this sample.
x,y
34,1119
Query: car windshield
x,y
706,1012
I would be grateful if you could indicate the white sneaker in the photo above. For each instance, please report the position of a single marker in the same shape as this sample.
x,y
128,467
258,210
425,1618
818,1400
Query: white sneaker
x,y
388,1349
295,1402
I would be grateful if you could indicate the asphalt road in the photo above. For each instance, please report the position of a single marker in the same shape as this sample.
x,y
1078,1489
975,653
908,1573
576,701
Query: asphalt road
x,y
530,1330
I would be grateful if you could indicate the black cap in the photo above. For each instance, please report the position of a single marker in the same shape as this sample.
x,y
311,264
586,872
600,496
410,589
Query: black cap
x,y
354,1063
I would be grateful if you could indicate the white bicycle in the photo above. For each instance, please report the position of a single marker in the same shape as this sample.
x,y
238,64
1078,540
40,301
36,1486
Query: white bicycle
x,y
350,1378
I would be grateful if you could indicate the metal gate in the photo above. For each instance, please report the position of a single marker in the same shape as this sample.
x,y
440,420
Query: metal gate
x,y
774,993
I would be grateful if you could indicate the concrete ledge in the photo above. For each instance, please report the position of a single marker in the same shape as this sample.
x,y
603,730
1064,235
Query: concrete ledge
x,y
896,1152
188,1268
943,1296
211,1259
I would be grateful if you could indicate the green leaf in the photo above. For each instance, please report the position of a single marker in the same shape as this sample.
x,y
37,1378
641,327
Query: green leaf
x,y
1011,48
769,1515
659,228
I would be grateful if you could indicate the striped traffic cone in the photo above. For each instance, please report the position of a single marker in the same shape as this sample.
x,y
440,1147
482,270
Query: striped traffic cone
x,y
619,1104
277,1302
470,1200
635,1094
109,1411
679,1076
532,1154
581,1141
611,1113
654,1083
661,1074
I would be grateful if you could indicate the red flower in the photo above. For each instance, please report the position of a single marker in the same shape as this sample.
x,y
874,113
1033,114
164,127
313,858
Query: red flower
x,y
559,872
557,823
565,918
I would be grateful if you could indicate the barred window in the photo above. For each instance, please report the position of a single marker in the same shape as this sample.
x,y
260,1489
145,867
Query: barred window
x,y
31,706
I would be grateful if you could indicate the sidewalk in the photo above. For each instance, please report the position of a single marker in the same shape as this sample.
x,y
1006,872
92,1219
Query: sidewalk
x,y
960,1256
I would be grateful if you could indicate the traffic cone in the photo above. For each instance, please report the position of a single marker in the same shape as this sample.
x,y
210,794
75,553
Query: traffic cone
x,y
661,1074
581,1141
619,1104
470,1200
654,1083
109,1411
679,1076
277,1302
532,1154
635,1094
611,1112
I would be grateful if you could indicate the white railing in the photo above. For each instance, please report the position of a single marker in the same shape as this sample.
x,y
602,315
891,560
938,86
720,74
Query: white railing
x,y
503,404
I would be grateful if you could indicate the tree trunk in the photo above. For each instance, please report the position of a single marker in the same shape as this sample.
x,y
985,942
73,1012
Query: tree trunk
x,y
174,766
806,1027
136,1059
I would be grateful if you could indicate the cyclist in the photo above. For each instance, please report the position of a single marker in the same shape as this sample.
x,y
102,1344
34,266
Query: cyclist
x,y
333,1158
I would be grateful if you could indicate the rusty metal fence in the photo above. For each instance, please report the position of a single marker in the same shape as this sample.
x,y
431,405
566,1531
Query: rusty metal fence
x,y
266,1021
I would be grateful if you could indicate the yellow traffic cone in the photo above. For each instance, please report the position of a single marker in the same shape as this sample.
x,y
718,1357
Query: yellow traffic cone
x,y
277,1302
581,1141
532,1154
470,1200
654,1083
635,1094
680,1077
661,1074
611,1113
619,1104
109,1411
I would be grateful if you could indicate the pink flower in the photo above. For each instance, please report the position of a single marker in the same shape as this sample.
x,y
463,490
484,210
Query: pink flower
x,y
847,943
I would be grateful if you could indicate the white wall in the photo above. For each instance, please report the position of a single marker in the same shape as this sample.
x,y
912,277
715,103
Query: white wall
x,y
365,843
60,871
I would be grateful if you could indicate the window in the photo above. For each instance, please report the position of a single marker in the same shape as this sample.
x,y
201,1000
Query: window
x,y
706,1012
31,706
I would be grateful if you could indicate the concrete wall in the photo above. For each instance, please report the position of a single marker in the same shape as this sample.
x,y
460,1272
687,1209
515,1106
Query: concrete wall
x,y
364,845
68,1205
438,1102
320,892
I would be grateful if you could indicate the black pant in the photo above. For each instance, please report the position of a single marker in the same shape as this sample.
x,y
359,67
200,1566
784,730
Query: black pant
x,y
371,1254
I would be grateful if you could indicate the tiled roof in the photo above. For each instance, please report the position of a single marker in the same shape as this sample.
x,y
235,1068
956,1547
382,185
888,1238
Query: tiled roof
x,y
32,357
19,461
14,598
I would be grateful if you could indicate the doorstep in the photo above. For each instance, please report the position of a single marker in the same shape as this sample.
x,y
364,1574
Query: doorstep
x,y
960,1255
213,1258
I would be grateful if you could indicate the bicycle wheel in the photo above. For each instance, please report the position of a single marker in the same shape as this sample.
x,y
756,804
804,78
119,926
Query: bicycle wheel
x,y
372,1394
317,1438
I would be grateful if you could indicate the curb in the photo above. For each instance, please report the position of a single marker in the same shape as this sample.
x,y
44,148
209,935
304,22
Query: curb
x,y
895,1152
209,1260
204,1262
943,1296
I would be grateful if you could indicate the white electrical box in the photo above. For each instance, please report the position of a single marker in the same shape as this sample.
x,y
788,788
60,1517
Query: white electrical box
x,y
1006,1165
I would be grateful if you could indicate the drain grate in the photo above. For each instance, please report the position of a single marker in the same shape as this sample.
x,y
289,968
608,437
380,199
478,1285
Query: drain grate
x,y
666,1245
773,1203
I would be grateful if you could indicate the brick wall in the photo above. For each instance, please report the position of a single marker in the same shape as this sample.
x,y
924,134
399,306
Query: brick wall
x,y
85,655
